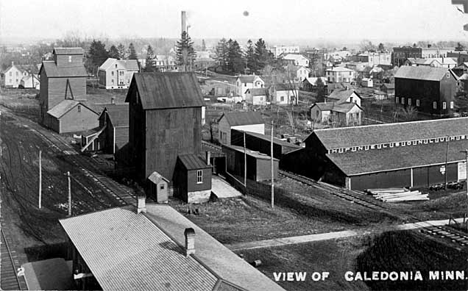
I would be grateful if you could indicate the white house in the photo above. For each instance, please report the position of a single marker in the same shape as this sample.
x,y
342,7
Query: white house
x,y
30,81
284,94
340,74
297,60
342,96
245,82
281,50
346,113
117,74
256,96
250,121
12,76
302,73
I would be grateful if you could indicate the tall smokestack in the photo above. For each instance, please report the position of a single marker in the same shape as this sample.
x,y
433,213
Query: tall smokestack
x,y
184,22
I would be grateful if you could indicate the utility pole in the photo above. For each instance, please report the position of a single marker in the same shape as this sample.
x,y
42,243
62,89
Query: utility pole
x,y
446,161
245,165
272,170
466,176
69,195
40,179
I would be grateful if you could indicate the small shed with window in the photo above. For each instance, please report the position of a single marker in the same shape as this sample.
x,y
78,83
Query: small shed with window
x,y
192,179
157,187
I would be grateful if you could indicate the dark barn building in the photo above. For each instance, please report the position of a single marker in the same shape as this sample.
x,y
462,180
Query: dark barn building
x,y
258,164
430,90
165,111
192,179
114,120
262,143
63,78
408,154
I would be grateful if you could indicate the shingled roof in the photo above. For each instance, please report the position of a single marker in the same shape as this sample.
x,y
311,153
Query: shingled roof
x,y
342,95
389,159
166,90
52,71
68,51
336,138
423,73
118,114
243,118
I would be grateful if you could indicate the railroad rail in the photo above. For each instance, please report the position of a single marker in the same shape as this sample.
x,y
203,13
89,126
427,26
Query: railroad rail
x,y
9,267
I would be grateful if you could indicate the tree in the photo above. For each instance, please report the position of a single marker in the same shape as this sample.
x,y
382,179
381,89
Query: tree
x,y
222,54
321,90
150,67
114,52
366,45
203,45
409,113
132,55
236,63
122,52
185,53
381,47
96,56
262,55
251,62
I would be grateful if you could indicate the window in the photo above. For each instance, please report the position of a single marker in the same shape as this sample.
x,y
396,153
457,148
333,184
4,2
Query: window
x,y
397,100
199,176
11,73
444,105
69,59
79,108
434,104
451,104
403,100
409,101
112,73
417,102
282,98
161,187
116,65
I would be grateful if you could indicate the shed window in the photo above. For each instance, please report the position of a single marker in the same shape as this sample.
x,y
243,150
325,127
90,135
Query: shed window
x,y
409,101
434,104
417,102
444,105
397,99
199,176
451,104
69,59
403,100
161,187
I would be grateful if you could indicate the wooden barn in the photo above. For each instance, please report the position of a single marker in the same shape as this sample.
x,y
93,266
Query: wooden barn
x,y
430,90
71,116
250,121
192,179
258,164
165,112
114,121
408,154
262,143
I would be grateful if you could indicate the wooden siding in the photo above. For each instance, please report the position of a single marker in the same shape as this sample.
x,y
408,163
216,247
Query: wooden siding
x,y
137,137
121,137
256,144
257,169
400,178
58,91
44,95
192,184
74,121
68,60
169,133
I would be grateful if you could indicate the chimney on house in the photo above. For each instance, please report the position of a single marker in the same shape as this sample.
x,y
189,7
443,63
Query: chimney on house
x,y
208,158
184,22
189,241
141,203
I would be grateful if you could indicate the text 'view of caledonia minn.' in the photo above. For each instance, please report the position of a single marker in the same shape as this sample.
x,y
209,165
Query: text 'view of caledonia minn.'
x,y
234,145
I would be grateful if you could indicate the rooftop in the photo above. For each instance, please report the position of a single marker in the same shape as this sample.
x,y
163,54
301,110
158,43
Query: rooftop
x,y
118,114
423,73
52,71
255,154
243,118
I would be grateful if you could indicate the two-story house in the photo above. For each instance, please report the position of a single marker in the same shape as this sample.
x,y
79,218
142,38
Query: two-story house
x,y
340,75
245,82
12,76
342,107
117,74
297,60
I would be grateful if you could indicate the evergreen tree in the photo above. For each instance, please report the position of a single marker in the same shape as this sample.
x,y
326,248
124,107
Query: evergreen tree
x,y
114,52
321,90
185,53
132,55
222,54
122,52
96,56
250,57
262,55
203,45
150,66
381,47
236,63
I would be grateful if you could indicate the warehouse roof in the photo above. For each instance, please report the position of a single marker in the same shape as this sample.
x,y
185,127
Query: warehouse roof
x,y
129,251
372,161
242,118
268,138
423,73
166,90
63,107
52,70
68,51
335,138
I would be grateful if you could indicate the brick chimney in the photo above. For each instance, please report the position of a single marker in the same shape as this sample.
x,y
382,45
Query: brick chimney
x,y
208,158
189,241
141,203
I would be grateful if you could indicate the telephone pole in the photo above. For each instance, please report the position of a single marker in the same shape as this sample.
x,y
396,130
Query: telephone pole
x,y
69,194
272,170
40,179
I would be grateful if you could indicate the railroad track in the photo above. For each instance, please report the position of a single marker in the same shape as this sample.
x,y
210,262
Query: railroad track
x,y
447,233
9,267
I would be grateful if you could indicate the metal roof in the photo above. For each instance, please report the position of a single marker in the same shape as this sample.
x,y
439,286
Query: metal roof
x,y
243,118
255,154
422,73
127,251
166,90
118,114
63,107
68,51
192,162
155,177
372,161
335,138
52,70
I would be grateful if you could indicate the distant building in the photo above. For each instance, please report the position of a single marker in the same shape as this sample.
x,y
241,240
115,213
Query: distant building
x,y
117,74
283,50
434,52
165,63
12,76
114,118
245,82
284,94
461,57
430,90
296,60
256,96
337,114
340,74
401,54
251,121
448,63
310,83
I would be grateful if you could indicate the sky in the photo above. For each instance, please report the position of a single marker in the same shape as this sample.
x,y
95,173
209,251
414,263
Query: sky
x,y
412,20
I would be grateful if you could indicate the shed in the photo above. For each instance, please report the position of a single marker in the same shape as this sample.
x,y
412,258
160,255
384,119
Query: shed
x,y
250,121
256,96
192,179
71,116
258,164
157,188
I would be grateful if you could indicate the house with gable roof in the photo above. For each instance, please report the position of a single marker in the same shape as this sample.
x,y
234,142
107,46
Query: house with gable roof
x,y
63,80
117,74
430,90
245,82
342,107
256,96
250,121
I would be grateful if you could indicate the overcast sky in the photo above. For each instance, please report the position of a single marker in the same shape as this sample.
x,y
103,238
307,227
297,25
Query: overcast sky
x,y
269,19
